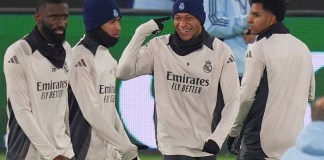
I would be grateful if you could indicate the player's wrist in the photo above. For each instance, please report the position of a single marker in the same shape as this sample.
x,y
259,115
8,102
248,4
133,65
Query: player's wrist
x,y
211,147
147,28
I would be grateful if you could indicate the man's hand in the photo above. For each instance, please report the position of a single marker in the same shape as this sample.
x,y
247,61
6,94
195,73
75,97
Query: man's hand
x,y
248,37
159,21
232,144
211,147
61,157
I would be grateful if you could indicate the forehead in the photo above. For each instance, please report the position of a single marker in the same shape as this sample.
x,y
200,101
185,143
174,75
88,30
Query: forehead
x,y
183,15
258,8
114,19
62,8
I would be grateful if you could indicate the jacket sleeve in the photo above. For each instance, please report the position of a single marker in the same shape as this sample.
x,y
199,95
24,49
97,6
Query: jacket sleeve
x,y
18,94
229,83
219,24
311,95
120,126
137,60
83,88
254,68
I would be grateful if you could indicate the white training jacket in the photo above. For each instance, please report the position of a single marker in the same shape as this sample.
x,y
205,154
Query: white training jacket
x,y
277,84
37,104
186,90
92,80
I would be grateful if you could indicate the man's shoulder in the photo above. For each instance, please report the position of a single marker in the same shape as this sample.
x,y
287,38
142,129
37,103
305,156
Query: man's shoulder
x,y
285,40
163,38
159,41
84,50
209,41
296,40
20,47
218,45
17,53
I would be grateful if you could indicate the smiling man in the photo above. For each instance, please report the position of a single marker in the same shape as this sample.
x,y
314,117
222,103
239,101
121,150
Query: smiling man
x,y
36,69
196,83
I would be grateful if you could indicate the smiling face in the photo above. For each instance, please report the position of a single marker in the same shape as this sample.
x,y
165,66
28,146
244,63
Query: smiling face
x,y
260,19
52,20
112,27
187,26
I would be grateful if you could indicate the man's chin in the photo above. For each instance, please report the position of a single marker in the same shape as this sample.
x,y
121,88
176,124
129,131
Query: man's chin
x,y
59,38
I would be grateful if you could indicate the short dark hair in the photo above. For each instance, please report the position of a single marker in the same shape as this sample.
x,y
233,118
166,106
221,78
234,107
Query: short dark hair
x,y
42,3
276,7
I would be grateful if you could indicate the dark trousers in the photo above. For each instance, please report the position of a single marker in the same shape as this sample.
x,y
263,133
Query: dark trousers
x,y
180,157
248,154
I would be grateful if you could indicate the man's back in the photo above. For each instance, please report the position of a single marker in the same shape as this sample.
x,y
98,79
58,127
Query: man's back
x,y
310,143
285,67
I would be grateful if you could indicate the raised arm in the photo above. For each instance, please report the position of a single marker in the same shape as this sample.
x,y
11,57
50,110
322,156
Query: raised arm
x,y
137,60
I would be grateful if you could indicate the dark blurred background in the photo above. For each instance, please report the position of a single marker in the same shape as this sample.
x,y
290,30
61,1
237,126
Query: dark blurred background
x,y
293,4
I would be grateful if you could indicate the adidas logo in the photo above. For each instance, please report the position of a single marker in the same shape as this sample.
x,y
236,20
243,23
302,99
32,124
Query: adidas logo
x,y
81,63
231,59
249,55
14,59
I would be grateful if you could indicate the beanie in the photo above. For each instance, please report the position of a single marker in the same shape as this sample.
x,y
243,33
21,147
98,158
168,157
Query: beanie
x,y
193,7
97,12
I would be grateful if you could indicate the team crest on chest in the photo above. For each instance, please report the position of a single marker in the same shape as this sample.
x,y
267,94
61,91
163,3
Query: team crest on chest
x,y
208,67
66,68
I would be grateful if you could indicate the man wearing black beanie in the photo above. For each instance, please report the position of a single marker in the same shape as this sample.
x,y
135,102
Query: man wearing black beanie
x,y
196,83
96,129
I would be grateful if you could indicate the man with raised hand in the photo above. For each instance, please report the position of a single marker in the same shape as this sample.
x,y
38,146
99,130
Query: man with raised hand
x,y
196,83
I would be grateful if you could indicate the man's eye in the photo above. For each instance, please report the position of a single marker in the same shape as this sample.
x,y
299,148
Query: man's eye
x,y
64,17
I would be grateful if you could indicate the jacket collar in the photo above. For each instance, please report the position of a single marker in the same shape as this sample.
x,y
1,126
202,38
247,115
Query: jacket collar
x,y
278,28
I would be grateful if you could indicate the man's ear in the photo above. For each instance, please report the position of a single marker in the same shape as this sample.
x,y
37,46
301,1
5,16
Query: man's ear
x,y
37,17
273,20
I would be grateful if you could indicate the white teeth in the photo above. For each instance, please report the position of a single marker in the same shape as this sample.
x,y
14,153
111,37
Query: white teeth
x,y
184,30
59,32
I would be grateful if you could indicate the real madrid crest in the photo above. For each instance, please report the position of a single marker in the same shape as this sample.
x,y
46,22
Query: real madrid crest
x,y
208,67
115,13
66,68
181,6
